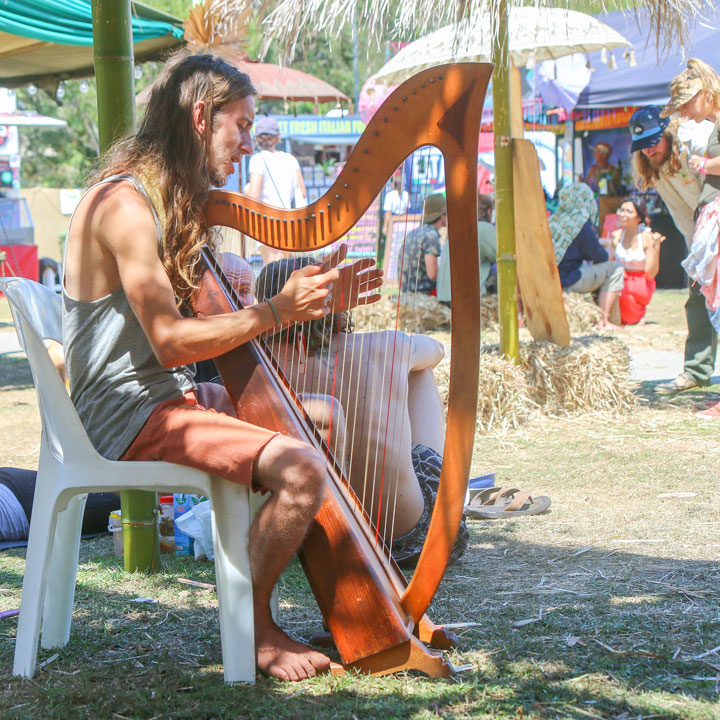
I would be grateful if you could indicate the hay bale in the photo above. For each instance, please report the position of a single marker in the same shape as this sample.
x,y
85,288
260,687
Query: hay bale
x,y
415,313
489,313
592,374
581,311
504,399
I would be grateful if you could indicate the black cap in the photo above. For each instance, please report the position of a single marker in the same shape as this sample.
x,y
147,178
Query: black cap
x,y
646,127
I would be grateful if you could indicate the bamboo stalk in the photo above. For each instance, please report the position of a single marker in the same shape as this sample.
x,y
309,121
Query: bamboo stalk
x,y
504,200
115,73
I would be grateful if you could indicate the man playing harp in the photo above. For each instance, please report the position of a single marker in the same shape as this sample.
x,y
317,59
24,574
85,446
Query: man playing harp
x,y
132,259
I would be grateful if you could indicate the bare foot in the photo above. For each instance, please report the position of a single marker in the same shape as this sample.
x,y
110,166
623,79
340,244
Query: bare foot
x,y
607,325
281,657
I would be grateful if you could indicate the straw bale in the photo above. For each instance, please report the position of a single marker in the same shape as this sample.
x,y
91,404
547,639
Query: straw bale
x,y
415,313
590,375
504,398
581,311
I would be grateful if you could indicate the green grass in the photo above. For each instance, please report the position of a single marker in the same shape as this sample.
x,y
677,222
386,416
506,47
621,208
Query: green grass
x,y
607,607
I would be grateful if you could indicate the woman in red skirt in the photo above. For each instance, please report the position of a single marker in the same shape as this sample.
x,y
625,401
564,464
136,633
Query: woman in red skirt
x,y
637,249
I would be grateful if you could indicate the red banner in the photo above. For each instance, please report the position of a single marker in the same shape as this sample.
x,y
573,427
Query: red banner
x,y
19,261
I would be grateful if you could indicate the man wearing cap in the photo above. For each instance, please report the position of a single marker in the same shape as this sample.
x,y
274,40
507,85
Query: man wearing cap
x,y
274,175
661,153
602,177
418,263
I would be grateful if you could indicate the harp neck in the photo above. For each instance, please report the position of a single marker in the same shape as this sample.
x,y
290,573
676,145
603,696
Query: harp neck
x,y
441,107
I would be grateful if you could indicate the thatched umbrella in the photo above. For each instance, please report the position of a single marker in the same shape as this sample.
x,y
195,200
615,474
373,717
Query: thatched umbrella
x,y
665,21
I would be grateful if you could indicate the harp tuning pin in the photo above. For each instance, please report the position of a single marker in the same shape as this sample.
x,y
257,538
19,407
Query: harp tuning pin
x,y
413,91
404,99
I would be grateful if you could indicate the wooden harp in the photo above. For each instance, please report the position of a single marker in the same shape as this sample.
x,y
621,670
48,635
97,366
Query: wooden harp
x,y
377,619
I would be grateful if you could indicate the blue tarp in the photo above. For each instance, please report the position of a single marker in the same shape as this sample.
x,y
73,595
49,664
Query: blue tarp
x,y
68,22
46,41
649,81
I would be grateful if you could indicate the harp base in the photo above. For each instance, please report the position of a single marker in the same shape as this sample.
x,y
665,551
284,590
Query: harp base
x,y
434,635
410,655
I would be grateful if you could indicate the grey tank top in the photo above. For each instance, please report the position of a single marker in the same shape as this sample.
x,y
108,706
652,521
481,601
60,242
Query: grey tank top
x,y
115,379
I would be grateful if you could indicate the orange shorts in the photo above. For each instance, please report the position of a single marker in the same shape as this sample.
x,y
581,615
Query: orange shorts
x,y
202,430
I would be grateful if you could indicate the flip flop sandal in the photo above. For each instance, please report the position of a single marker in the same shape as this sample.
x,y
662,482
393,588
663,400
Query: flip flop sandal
x,y
505,503
477,484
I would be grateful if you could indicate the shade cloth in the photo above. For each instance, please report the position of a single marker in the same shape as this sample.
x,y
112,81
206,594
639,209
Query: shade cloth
x,y
648,82
42,41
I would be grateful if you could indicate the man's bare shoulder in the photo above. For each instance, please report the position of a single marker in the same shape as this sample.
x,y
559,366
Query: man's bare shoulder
x,y
117,211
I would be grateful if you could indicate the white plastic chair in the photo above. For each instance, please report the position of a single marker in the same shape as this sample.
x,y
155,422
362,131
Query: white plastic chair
x,y
69,468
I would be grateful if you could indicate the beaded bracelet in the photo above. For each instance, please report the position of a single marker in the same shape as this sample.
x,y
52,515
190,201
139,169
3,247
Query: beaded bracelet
x,y
702,169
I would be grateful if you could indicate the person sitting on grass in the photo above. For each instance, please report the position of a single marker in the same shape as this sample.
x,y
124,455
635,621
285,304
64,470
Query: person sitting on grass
x,y
637,248
575,242
387,384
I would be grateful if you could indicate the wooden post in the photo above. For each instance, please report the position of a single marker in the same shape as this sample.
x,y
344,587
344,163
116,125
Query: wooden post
x,y
504,200
115,73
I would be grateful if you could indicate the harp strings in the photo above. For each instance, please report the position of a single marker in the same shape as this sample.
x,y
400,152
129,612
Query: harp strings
x,y
336,373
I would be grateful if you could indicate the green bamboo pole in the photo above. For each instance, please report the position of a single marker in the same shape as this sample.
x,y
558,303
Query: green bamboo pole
x,y
115,75
504,200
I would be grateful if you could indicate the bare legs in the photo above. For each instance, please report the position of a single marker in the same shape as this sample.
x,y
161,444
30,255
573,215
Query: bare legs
x,y
606,300
427,419
295,474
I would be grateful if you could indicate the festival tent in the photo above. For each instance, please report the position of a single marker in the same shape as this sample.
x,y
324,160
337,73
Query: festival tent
x,y
648,81
45,41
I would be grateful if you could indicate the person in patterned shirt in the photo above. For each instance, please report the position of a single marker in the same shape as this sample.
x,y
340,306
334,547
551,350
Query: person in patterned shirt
x,y
418,264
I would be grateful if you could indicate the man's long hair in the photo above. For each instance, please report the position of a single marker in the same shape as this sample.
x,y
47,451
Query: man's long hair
x,y
645,174
170,158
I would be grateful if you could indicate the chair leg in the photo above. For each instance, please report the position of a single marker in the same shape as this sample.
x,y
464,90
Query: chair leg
x,y
231,524
57,610
37,561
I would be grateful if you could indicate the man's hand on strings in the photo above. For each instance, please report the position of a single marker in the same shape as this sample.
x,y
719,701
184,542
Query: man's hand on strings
x,y
356,283
307,294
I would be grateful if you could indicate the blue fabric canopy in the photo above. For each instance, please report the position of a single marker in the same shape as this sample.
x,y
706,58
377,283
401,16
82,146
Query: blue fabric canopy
x,y
68,22
649,81
47,41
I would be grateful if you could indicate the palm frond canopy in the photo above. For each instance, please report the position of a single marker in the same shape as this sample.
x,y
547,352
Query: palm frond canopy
x,y
666,20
